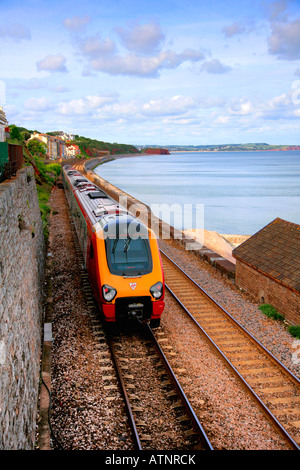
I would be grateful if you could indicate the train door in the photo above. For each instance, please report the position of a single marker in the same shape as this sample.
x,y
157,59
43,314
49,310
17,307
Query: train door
x,y
92,264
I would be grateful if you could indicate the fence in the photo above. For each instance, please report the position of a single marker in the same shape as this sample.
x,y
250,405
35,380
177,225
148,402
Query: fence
x,y
11,160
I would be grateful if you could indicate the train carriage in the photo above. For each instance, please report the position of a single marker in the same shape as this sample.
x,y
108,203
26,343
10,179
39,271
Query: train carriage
x,y
120,253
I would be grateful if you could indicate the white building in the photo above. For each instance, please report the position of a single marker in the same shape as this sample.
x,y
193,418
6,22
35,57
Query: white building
x,y
3,124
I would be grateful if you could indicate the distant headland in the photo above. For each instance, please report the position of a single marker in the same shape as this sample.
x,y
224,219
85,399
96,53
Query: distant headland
x,y
251,147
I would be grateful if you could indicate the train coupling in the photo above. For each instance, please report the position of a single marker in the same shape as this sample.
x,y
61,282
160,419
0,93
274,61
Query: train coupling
x,y
136,311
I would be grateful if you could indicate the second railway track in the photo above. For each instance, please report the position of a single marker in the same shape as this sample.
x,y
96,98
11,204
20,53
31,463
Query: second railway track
x,y
160,414
274,387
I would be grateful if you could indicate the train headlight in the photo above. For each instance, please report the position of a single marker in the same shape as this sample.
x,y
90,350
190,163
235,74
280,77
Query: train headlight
x,y
109,293
157,290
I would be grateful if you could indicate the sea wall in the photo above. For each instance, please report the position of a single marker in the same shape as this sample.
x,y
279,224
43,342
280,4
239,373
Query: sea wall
x,y
21,309
161,228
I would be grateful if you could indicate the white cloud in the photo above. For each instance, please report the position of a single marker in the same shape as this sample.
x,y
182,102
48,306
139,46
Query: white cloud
x,y
237,28
38,104
31,84
144,59
284,41
132,64
233,29
241,107
222,120
85,105
94,47
277,11
76,23
215,66
15,31
145,38
52,63
169,106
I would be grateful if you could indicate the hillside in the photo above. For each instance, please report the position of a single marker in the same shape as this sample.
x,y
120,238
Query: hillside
x,y
251,147
89,147
93,147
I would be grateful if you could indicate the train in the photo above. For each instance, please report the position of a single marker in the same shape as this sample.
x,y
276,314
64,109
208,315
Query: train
x,y
121,254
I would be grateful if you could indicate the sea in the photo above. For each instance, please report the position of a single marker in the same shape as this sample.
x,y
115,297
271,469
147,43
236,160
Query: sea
x,y
226,192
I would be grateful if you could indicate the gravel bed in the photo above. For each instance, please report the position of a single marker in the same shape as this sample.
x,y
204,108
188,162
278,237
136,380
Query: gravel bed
x,y
271,334
146,376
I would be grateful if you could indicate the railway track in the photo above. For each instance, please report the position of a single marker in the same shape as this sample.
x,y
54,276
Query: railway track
x,y
162,418
159,413
271,384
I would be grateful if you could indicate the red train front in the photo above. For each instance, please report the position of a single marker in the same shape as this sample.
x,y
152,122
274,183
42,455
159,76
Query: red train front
x,y
121,254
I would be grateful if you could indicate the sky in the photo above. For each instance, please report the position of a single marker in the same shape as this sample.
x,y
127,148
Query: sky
x,y
162,72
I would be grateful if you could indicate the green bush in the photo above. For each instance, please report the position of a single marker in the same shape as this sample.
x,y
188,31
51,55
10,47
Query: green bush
x,y
43,170
44,192
55,167
271,312
294,330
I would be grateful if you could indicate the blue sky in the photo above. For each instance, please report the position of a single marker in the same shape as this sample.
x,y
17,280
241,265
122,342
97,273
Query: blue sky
x,y
154,72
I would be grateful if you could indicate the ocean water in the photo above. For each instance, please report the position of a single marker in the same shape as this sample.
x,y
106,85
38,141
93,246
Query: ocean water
x,y
229,192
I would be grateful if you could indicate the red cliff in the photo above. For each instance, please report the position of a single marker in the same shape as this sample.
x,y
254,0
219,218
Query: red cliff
x,y
157,151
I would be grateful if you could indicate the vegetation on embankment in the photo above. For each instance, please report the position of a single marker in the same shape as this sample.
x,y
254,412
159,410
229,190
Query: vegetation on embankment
x,y
45,177
271,312
94,148
46,173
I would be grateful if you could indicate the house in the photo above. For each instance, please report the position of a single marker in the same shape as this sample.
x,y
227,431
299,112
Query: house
x,y
72,150
3,125
268,267
56,147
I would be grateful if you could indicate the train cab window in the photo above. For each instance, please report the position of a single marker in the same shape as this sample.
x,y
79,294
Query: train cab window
x,y
128,257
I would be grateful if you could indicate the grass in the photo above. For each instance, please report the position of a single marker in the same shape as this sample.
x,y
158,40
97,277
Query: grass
x,y
271,312
294,330
44,192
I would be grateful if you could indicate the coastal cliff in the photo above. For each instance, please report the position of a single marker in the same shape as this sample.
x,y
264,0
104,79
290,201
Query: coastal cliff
x,y
154,151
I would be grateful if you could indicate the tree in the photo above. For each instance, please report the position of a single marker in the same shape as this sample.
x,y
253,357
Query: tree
x,y
36,146
15,133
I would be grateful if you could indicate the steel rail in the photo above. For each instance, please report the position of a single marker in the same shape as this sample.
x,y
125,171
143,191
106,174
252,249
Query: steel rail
x,y
124,392
191,413
248,387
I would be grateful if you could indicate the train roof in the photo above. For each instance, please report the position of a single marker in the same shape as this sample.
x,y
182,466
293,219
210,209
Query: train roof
x,y
103,211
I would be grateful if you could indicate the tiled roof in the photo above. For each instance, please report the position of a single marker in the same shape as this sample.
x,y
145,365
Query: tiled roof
x,y
274,250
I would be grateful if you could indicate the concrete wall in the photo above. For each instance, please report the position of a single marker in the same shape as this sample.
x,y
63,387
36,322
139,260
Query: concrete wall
x,y
21,309
268,291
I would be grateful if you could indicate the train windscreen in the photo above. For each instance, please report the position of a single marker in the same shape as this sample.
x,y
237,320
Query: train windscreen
x,y
128,256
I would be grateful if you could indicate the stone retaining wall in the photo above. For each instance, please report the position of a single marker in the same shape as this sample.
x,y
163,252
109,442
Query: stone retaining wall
x,y
21,309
